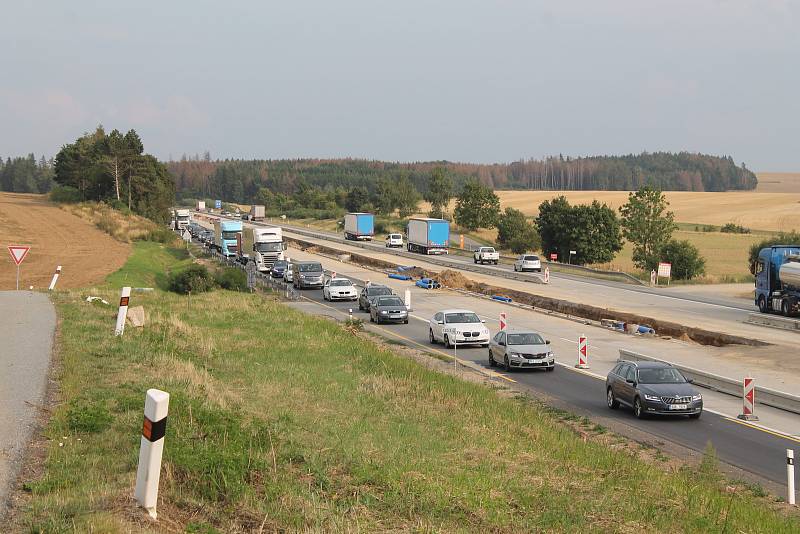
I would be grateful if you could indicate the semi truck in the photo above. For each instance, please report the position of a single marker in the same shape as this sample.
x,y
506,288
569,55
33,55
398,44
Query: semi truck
x,y
359,226
257,213
201,205
428,236
263,245
181,219
226,236
777,271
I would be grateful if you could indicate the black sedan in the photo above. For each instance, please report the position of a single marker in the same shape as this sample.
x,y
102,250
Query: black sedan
x,y
388,310
652,388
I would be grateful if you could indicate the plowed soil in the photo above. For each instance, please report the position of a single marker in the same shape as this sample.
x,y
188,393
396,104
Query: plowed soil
x,y
86,254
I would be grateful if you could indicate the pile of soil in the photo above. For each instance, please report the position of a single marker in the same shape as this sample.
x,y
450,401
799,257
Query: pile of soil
x,y
455,280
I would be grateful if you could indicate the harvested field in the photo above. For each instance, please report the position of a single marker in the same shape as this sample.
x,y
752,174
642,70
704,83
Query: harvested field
x,y
778,182
87,254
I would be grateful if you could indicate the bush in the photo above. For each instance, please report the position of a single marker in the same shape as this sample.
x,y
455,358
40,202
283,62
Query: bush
x,y
194,278
159,235
783,238
685,258
732,228
231,278
527,242
66,194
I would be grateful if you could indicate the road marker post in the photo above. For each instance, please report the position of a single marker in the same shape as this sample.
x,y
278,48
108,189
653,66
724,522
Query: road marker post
x,y
350,314
790,474
407,299
748,400
151,449
547,275
583,353
122,314
55,279
503,323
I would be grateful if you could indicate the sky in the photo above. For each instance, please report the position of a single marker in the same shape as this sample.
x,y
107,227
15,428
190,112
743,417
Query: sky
x,y
458,80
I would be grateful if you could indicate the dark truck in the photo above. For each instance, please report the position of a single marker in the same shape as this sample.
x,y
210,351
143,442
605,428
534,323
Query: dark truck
x,y
777,271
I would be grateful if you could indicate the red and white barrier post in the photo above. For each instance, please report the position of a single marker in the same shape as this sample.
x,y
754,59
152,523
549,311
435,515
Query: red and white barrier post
x,y
583,353
55,279
503,323
122,314
749,400
151,449
547,275
790,474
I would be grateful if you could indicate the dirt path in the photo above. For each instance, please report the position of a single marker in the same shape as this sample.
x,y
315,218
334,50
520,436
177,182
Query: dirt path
x,y
87,255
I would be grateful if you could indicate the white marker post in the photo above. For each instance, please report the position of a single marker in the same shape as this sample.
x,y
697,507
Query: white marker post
x,y
547,275
790,474
408,299
55,279
151,449
122,314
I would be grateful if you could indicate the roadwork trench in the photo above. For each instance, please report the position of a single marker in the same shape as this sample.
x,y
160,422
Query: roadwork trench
x,y
455,280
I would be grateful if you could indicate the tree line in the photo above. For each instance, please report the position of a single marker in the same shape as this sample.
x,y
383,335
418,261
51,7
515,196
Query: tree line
x,y
26,174
241,180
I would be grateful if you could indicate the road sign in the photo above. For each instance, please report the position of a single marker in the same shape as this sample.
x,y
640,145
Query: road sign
x,y
186,235
18,252
218,204
503,321
664,269
583,353
553,256
748,400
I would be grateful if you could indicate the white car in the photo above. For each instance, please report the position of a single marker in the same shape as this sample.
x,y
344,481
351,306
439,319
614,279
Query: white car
x,y
339,289
288,275
528,262
394,240
458,327
486,255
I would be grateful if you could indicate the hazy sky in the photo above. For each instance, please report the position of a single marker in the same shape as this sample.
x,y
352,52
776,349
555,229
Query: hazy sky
x,y
407,80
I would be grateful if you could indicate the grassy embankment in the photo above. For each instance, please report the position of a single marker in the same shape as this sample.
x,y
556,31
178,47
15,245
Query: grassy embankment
x,y
282,420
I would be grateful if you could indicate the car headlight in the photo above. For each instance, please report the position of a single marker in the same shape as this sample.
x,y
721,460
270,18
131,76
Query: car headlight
x,y
696,398
550,355
652,397
384,312
516,355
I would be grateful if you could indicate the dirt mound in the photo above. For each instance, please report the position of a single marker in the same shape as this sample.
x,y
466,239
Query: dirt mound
x,y
418,272
455,280
87,255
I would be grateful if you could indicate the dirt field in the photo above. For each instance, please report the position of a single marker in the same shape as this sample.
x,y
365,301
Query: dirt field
x,y
57,237
778,182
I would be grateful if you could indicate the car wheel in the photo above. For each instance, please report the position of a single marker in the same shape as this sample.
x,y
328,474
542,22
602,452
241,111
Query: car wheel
x,y
638,410
695,415
405,322
492,363
785,308
506,363
762,304
431,338
551,369
485,345
515,268
447,341
371,318
360,307
610,400
474,261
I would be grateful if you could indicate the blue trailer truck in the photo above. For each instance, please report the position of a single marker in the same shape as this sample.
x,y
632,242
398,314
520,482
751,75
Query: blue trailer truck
x,y
777,271
227,237
359,226
428,236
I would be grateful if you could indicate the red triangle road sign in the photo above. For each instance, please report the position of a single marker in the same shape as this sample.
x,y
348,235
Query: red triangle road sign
x,y
18,252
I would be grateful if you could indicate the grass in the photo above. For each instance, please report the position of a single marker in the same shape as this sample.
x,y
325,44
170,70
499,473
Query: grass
x,y
291,422
125,227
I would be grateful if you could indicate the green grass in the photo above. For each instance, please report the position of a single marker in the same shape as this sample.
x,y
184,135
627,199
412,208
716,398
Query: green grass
x,y
149,266
286,420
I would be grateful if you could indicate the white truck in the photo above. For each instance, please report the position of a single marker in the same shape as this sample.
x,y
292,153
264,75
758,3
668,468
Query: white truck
x,y
201,205
257,213
486,255
181,219
263,245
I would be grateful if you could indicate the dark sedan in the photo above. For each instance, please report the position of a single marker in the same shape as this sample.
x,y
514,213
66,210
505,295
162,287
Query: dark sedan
x,y
652,388
369,293
279,268
388,310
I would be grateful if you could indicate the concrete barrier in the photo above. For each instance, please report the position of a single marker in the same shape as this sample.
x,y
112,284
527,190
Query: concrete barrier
x,y
774,321
767,397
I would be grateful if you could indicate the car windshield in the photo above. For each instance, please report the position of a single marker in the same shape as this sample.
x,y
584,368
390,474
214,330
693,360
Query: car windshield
x,y
390,301
269,247
525,339
373,291
280,264
341,283
394,236
531,258
661,375
229,235
310,268
464,317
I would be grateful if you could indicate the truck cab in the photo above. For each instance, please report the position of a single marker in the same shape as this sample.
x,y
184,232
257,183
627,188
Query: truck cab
x,y
264,246
226,237
182,219
777,272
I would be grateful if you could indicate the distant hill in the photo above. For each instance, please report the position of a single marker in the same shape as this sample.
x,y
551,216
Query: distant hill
x,y
240,180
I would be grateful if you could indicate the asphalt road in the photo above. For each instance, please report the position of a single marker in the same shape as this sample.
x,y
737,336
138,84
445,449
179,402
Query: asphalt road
x,y
750,449
27,326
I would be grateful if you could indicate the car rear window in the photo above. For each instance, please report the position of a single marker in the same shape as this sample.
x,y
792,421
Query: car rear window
x,y
531,258
372,291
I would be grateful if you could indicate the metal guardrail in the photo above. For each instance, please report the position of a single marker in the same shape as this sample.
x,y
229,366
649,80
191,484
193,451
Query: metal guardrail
x,y
767,397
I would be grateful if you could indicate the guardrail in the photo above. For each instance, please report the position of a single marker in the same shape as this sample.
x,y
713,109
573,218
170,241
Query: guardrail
x,y
767,397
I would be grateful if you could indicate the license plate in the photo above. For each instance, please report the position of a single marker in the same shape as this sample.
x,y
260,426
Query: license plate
x,y
678,406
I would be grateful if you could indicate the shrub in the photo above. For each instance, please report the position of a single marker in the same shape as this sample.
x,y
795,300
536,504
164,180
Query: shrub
x,y
65,194
525,243
732,228
194,278
231,278
685,258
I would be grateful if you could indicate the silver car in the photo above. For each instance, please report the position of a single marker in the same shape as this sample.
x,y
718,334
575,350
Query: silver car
x,y
518,349
528,262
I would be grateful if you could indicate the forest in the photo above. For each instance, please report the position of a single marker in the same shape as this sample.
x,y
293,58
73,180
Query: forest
x,y
241,180
26,174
